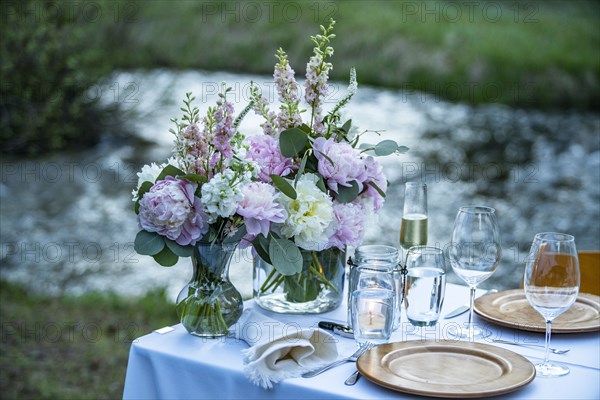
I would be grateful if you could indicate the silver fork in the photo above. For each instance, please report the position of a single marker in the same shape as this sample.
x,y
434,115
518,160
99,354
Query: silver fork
x,y
363,347
553,350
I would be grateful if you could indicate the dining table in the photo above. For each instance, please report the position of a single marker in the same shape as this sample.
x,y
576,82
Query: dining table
x,y
172,364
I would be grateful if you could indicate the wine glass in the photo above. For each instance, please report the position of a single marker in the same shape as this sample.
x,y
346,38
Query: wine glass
x,y
474,255
551,285
413,229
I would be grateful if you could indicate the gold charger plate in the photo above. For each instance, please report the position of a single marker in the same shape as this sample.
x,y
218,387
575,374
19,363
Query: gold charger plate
x,y
510,308
446,368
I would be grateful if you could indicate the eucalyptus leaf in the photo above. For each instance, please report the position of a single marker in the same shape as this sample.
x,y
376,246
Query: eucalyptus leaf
x,y
306,128
301,168
148,243
292,142
374,185
261,246
169,170
285,256
346,194
166,257
386,147
321,184
179,250
194,178
347,125
144,188
284,186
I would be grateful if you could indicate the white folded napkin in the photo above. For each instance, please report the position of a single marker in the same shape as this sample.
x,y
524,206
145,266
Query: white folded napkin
x,y
278,350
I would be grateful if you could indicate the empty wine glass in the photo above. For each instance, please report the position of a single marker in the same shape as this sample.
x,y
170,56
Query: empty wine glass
x,y
551,285
474,255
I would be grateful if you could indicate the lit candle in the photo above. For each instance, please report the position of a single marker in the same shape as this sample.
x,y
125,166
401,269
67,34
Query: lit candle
x,y
371,320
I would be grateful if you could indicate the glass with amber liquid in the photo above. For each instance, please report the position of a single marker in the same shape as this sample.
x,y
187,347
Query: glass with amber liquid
x,y
413,229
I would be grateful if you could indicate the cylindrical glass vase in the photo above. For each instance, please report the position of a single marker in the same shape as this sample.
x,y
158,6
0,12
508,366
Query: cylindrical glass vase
x,y
318,288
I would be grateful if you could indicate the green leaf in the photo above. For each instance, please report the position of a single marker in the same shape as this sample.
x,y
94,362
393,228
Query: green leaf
x,y
321,184
292,142
179,250
194,178
285,256
261,246
327,158
301,168
346,194
306,129
386,147
346,127
144,188
169,170
284,186
402,149
166,257
374,185
148,243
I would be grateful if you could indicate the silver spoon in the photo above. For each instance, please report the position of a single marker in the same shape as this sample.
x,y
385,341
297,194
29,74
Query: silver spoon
x,y
352,378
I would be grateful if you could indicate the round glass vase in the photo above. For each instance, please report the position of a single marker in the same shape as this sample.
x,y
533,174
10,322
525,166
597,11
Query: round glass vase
x,y
209,304
318,288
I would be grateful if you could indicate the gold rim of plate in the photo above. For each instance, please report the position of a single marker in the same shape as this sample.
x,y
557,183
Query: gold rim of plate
x,y
446,368
510,308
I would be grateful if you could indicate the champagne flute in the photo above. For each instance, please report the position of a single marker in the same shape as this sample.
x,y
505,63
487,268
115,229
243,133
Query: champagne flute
x,y
474,255
551,285
413,229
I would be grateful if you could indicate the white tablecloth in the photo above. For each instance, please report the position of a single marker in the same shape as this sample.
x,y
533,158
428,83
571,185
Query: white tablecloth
x,y
177,365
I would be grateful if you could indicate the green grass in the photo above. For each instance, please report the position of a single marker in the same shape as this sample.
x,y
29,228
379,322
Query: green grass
x,y
72,347
536,53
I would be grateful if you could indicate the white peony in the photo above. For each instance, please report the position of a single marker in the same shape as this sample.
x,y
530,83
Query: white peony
x,y
310,215
149,173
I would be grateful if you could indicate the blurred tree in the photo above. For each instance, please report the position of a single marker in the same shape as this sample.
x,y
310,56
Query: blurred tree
x,y
48,76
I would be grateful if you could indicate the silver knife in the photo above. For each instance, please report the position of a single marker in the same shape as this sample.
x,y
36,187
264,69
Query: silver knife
x,y
464,308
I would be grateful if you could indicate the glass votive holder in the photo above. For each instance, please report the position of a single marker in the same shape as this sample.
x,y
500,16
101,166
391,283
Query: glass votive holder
x,y
372,315
377,259
369,276
425,285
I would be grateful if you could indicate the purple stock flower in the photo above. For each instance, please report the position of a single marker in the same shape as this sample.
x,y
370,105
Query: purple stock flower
x,y
170,209
317,74
287,88
347,165
265,151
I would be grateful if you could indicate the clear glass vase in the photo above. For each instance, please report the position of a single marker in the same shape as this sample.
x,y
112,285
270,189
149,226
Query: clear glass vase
x,y
316,289
209,304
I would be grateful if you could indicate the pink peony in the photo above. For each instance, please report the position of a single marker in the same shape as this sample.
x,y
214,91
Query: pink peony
x,y
347,165
349,222
375,175
265,151
170,209
259,209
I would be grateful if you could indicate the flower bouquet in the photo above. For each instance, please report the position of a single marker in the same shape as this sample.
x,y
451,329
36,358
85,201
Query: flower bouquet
x,y
292,193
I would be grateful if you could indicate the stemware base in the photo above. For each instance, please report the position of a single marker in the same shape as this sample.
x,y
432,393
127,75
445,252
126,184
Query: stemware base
x,y
551,370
